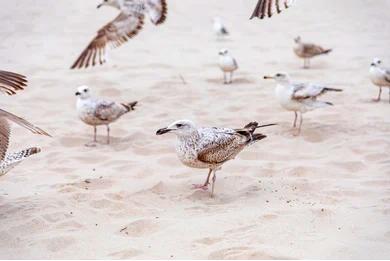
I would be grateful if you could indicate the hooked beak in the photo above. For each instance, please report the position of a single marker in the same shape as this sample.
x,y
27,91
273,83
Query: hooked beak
x,y
100,5
163,131
77,93
268,77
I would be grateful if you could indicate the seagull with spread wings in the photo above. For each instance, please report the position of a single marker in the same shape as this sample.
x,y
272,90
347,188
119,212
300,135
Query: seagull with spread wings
x,y
268,7
124,27
10,83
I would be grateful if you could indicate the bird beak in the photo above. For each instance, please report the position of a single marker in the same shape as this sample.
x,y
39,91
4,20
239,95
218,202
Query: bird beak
x,y
268,77
163,131
373,64
100,5
77,93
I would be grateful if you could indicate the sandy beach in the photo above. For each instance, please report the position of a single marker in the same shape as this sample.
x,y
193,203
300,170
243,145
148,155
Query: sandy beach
x,y
322,195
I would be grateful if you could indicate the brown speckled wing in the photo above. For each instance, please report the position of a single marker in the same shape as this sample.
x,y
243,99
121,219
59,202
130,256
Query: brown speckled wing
x,y
4,137
114,34
221,150
157,10
11,82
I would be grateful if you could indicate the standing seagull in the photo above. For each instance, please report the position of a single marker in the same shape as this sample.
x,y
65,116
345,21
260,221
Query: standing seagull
x,y
299,97
210,148
219,28
380,77
227,64
125,26
94,112
306,51
268,7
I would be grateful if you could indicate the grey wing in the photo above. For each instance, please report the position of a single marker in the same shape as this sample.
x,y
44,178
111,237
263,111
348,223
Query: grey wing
x,y
157,10
11,82
313,49
114,34
307,91
268,7
108,111
4,137
235,63
22,122
220,146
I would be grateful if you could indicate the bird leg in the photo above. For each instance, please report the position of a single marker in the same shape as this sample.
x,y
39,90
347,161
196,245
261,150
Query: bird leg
x,y
389,94
224,78
93,143
231,77
300,125
205,185
108,134
295,119
379,95
212,186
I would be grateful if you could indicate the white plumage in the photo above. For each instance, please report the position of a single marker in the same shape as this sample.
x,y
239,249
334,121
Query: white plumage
x,y
228,65
380,76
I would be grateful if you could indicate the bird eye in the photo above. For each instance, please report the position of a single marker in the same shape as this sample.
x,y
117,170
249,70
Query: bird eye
x,y
179,125
278,75
85,90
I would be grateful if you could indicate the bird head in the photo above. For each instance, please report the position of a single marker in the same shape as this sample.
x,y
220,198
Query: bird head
x,y
223,52
83,92
180,128
297,39
279,77
376,62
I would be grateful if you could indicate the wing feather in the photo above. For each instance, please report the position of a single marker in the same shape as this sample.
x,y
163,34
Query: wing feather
x,y
113,34
4,137
10,82
267,7
22,122
157,10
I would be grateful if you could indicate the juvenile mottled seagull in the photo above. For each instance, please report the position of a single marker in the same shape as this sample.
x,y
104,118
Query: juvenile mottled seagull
x,y
210,148
299,97
228,65
380,76
9,161
308,50
95,112
219,28
268,7
11,82
125,26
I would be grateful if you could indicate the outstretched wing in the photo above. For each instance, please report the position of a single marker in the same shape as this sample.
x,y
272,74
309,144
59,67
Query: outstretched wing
x,y
157,10
220,146
22,122
11,82
113,34
268,7
4,137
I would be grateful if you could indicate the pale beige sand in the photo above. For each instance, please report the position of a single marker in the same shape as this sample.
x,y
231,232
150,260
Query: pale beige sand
x,y
325,194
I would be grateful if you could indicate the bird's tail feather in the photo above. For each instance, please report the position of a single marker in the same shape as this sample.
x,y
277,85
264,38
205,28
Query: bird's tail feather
x,y
326,51
130,106
333,89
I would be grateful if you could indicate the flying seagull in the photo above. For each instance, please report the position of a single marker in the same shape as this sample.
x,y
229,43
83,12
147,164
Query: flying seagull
x,y
95,112
124,27
380,76
268,7
299,97
210,148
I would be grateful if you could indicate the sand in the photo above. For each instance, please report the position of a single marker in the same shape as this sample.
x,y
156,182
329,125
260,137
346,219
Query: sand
x,y
324,194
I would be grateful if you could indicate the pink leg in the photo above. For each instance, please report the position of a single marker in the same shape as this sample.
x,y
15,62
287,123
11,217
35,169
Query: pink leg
x,y
204,186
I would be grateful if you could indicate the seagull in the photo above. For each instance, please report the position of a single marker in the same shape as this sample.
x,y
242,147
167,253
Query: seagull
x,y
210,148
95,112
9,161
268,7
299,97
308,50
219,28
227,64
124,27
380,76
